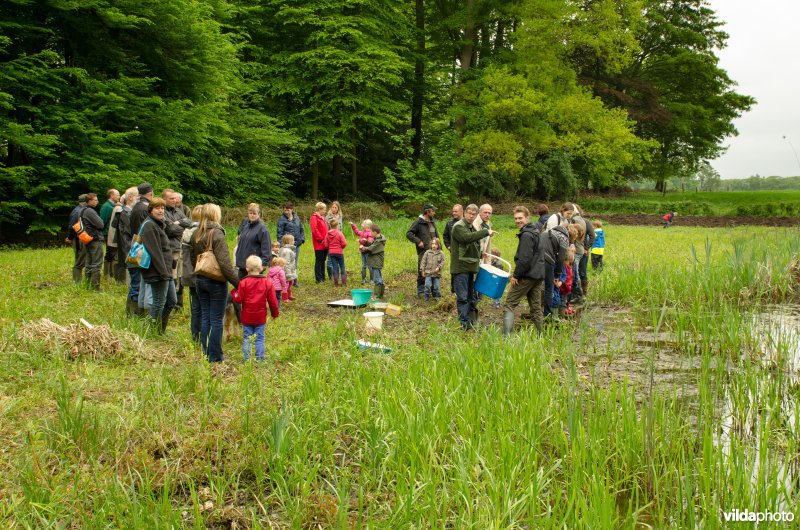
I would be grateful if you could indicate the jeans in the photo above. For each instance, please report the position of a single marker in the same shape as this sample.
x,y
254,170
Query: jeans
x,y
253,339
196,316
377,275
297,262
597,262
278,295
213,299
133,288
336,264
164,297
432,287
94,258
549,278
364,267
80,260
577,292
466,301
319,264
582,267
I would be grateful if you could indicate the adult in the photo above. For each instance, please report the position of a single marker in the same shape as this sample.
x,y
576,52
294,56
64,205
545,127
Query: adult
x,y
667,219
334,214
159,274
483,222
185,209
187,276
72,238
124,235
457,214
112,242
561,217
105,215
555,243
580,280
464,264
213,294
528,277
176,222
290,223
139,212
319,229
543,211
93,226
421,232
253,240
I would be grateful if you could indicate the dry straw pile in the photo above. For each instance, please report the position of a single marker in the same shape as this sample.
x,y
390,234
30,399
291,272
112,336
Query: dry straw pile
x,y
82,340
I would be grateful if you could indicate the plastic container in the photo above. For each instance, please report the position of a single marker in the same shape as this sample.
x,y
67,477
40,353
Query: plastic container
x,y
492,281
361,296
374,321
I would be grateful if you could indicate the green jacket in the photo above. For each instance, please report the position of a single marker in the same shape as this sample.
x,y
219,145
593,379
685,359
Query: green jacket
x,y
465,248
105,214
375,251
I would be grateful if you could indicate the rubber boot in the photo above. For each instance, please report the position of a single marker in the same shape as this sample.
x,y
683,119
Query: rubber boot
x,y
363,276
163,321
473,316
131,308
336,280
344,279
77,275
94,281
107,269
584,287
508,322
179,294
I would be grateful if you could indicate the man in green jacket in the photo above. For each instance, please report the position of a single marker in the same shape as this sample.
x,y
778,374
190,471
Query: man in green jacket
x,y
465,258
105,215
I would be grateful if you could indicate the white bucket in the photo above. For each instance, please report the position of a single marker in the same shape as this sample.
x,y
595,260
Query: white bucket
x,y
374,321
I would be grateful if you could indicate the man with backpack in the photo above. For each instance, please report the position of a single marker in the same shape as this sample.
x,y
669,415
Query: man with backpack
x,y
93,225
529,272
72,238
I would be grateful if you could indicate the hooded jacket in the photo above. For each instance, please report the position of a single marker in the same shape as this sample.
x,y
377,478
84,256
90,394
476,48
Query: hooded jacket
x,y
555,243
422,230
431,261
220,248
254,240
293,227
155,240
529,259
288,253
465,248
254,293
335,242
375,251
319,229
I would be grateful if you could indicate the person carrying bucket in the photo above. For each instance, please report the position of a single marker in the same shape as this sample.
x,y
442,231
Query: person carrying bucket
x,y
464,264
529,272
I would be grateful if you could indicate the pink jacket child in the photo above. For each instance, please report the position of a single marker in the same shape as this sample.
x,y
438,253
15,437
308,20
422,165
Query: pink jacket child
x,y
278,278
365,236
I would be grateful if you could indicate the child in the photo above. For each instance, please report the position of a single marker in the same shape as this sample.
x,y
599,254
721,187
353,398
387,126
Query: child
x,y
278,277
599,247
498,264
276,247
254,293
430,267
668,219
288,253
336,243
374,252
566,284
365,238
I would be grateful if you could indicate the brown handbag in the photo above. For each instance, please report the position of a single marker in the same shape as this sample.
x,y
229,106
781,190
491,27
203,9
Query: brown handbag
x,y
207,264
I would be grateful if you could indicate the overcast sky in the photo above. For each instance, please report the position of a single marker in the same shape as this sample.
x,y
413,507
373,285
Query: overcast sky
x,y
763,57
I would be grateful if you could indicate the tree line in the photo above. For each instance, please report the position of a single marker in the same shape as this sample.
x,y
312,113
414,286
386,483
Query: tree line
x,y
257,100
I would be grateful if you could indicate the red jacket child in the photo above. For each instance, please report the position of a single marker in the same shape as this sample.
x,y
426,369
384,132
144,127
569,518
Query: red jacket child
x,y
335,242
566,287
319,228
254,293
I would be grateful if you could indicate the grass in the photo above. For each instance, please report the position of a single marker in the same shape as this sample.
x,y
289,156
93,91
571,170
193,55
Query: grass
x,y
450,430
734,203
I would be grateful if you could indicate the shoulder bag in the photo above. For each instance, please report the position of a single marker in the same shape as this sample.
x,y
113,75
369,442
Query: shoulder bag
x,y
207,264
138,255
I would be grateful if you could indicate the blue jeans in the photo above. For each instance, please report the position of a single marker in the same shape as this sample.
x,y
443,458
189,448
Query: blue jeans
x,y
297,262
164,297
364,267
377,275
432,287
582,267
196,317
213,299
549,277
133,288
336,265
253,338
466,301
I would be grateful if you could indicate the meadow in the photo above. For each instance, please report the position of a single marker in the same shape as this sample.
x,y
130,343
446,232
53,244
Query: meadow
x,y
671,401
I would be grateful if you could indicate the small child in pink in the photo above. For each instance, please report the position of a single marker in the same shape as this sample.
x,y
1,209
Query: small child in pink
x,y
365,239
278,277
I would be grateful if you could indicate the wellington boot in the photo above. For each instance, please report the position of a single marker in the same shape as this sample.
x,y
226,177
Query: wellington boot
x,y
77,275
94,281
131,308
179,294
164,321
508,322
336,280
382,288
584,287
344,279
107,269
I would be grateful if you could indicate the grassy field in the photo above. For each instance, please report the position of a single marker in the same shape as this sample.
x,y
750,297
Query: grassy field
x,y
670,402
736,203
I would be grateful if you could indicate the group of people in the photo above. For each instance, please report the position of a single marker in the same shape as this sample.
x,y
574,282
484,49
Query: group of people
x,y
160,247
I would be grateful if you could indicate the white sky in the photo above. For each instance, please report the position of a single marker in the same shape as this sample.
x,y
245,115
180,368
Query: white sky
x,y
763,57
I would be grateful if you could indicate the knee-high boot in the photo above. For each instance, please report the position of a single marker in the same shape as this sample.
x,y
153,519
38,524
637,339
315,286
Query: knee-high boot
x,y
508,322
344,278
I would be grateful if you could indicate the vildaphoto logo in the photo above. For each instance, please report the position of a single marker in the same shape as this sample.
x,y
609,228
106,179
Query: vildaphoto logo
x,y
746,516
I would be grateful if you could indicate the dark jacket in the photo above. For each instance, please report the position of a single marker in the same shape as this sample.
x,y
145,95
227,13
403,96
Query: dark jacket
x,y
465,248
254,240
187,274
448,230
542,222
124,236
555,243
375,251
583,246
293,227
220,248
175,231
138,214
92,223
155,240
422,230
529,259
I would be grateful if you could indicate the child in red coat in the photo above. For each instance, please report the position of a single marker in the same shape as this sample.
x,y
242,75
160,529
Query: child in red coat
x,y
254,293
566,287
335,243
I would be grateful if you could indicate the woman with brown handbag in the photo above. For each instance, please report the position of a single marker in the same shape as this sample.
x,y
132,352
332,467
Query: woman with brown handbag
x,y
212,265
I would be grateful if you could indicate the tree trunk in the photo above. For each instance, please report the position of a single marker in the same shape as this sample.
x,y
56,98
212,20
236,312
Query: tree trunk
x,y
338,172
466,55
315,180
353,163
418,93
498,39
